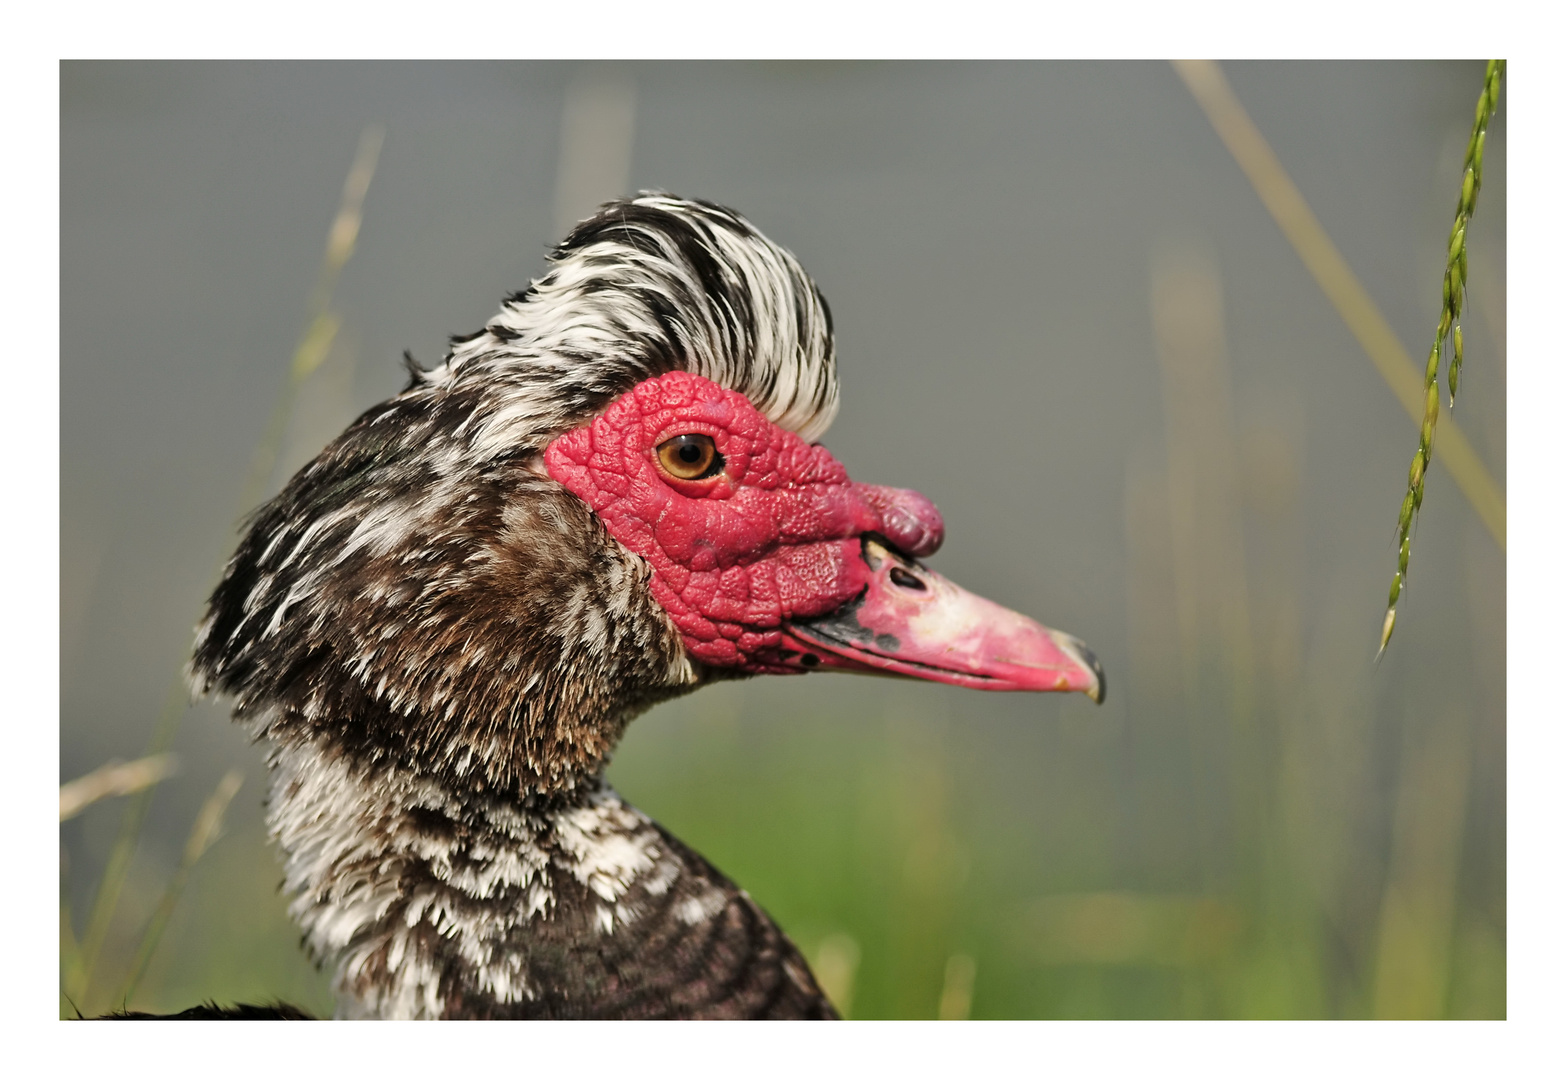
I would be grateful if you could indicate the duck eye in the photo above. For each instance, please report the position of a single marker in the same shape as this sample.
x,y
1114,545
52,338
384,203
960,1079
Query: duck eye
x,y
690,457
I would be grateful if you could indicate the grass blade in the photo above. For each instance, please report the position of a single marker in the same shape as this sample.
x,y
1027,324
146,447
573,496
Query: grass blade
x,y
115,778
208,826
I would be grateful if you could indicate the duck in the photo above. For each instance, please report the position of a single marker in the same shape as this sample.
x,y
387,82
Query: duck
x,y
611,495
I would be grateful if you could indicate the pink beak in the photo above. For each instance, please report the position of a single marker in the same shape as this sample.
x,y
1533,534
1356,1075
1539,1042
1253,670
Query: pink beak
x,y
911,621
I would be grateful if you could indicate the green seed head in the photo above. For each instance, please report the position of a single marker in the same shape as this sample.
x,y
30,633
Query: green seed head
x,y
1454,284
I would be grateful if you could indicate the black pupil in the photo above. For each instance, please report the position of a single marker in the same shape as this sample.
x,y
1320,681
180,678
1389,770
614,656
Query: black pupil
x,y
690,452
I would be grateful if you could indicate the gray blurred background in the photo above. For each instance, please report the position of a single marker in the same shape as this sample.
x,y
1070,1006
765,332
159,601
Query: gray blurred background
x,y
1062,313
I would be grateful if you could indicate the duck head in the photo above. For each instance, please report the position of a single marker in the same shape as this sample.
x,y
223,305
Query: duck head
x,y
607,497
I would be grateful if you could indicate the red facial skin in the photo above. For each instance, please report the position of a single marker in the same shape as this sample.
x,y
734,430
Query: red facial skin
x,y
772,537
748,561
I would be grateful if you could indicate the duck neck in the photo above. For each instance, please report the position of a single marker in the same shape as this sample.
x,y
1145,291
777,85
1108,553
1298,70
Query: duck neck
x,y
429,902
422,899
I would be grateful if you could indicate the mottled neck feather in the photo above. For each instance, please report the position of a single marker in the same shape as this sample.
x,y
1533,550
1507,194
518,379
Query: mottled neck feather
x,y
428,902
493,636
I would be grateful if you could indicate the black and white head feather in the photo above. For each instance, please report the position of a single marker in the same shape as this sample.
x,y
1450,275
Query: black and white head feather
x,y
648,286
423,595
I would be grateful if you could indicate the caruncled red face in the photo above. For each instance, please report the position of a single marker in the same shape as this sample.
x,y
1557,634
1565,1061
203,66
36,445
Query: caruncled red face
x,y
770,559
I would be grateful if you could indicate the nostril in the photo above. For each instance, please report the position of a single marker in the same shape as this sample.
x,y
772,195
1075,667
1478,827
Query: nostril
x,y
902,577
